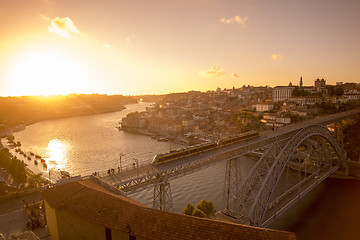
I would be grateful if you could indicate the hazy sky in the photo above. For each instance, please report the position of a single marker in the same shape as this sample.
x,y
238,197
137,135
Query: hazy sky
x,y
153,46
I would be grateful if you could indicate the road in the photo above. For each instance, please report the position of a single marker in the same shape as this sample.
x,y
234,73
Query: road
x,y
13,218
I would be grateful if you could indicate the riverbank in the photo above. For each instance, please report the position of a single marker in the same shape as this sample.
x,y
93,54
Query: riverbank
x,y
56,138
20,127
33,161
35,168
162,137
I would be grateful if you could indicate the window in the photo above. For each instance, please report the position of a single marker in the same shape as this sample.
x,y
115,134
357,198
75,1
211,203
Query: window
x,y
108,234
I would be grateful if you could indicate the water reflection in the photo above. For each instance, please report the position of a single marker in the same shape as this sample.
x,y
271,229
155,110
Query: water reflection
x,y
57,153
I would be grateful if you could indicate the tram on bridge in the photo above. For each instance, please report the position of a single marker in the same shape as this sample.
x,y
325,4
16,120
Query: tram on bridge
x,y
185,152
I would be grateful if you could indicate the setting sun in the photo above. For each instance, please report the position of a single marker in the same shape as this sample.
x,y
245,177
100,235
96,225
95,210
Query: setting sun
x,y
45,72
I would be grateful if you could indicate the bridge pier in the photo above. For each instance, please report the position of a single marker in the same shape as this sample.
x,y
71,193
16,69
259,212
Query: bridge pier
x,y
338,131
232,181
162,199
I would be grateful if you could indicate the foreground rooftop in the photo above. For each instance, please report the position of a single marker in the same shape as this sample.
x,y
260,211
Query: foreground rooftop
x,y
92,202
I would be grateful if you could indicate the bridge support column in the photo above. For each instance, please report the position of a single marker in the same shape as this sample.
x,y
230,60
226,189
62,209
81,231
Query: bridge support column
x,y
232,184
162,196
338,130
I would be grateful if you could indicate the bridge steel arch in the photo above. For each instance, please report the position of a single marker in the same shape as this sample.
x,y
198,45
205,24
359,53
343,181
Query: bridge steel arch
x,y
256,190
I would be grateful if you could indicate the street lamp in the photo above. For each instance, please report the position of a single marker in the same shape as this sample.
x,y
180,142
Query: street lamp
x,y
137,166
120,167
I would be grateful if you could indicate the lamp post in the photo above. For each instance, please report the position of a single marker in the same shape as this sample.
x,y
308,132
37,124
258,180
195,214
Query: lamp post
x,y
137,166
120,166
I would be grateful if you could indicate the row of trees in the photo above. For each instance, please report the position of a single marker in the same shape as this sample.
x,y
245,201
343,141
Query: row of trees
x,y
331,90
14,166
203,209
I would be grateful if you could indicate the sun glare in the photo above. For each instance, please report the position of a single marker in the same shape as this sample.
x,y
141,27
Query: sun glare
x,y
45,72
57,153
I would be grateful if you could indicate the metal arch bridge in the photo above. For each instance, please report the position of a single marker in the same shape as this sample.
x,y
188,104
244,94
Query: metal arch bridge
x,y
254,200
307,150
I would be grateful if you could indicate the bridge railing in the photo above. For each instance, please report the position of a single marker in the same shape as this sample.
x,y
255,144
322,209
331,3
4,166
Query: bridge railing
x,y
118,170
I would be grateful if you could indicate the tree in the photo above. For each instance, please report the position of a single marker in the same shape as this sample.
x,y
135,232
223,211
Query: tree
x,y
296,92
199,213
339,91
20,172
204,209
189,209
14,166
207,207
330,89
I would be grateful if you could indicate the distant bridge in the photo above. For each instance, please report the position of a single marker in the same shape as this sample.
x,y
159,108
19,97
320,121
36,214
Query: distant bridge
x,y
294,159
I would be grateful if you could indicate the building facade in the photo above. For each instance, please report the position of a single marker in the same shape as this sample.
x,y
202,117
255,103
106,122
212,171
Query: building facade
x,y
320,83
266,106
282,93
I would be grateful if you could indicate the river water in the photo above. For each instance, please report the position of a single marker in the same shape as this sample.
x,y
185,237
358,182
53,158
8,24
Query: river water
x,y
85,144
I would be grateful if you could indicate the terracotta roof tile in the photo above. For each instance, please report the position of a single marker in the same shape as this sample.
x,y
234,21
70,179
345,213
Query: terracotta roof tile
x,y
90,201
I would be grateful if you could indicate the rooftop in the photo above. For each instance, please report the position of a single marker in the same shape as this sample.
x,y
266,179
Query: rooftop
x,y
88,200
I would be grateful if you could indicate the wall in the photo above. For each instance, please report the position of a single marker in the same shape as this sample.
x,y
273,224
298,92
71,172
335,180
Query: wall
x,y
354,169
51,221
71,227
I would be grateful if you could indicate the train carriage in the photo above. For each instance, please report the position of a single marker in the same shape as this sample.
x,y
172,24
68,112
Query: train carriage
x,y
178,154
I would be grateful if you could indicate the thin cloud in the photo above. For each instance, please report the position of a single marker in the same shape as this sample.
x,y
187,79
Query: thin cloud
x,y
105,45
213,72
277,56
44,17
234,20
63,27
129,39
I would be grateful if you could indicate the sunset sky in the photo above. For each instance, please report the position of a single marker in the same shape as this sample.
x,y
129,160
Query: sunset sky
x,y
162,46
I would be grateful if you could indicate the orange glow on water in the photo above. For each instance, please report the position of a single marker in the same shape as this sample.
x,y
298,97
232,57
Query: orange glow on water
x,y
57,153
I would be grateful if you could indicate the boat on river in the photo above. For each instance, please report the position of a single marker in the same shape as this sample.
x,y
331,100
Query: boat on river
x,y
64,174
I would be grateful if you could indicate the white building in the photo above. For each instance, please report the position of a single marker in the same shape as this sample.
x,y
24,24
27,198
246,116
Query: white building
x,y
351,94
282,93
266,106
309,100
273,120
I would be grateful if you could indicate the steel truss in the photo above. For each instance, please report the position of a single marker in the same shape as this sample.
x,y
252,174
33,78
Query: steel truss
x,y
162,196
232,180
162,192
256,192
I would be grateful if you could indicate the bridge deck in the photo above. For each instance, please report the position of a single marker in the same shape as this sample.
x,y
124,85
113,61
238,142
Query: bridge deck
x,y
289,198
139,177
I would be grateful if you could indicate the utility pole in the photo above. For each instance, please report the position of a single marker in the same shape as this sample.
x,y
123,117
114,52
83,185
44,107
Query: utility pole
x,y
120,166
137,166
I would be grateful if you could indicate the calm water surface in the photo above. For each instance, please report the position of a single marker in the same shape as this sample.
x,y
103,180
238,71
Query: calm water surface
x,y
83,145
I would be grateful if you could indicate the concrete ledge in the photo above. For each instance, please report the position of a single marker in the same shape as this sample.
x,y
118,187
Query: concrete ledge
x,y
20,193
